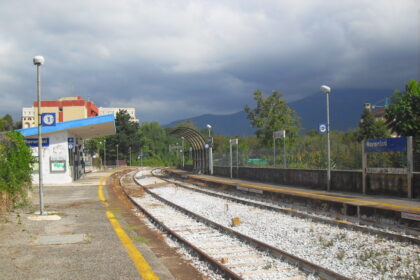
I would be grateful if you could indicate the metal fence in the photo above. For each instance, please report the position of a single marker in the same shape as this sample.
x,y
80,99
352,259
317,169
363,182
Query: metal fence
x,y
309,156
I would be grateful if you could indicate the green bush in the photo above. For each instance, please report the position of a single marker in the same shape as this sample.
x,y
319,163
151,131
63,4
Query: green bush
x,y
15,168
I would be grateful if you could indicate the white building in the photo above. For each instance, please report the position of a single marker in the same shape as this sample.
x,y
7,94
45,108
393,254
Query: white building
x,y
62,147
114,111
28,117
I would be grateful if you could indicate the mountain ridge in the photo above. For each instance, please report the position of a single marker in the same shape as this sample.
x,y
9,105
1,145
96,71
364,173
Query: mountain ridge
x,y
346,106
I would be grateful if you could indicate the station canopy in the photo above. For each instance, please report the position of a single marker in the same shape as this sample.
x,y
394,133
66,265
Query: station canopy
x,y
83,128
200,155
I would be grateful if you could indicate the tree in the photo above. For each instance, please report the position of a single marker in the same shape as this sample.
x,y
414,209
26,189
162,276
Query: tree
x,y
272,114
403,115
6,123
369,128
127,135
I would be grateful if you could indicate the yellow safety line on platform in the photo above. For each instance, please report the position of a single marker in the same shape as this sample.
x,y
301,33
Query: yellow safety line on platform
x,y
280,189
140,262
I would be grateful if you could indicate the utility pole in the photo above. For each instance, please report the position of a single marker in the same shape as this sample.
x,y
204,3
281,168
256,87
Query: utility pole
x,y
327,91
38,61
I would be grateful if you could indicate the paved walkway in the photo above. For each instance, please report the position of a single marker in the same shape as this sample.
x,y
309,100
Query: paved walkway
x,y
81,244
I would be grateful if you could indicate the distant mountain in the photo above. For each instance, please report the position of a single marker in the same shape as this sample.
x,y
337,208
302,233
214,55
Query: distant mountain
x,y
228,125
346,106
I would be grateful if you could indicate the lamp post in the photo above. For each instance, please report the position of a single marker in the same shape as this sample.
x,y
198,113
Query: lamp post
x,y
129,151
38,61
182,151
210,150
327,91
117,156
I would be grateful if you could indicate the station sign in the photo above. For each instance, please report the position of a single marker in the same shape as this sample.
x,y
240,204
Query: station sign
x,y
70,141
48,119
279,134
33,142
397,144
323,127
233,141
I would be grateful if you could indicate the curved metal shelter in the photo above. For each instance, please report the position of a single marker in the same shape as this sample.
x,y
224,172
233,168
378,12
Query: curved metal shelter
x,y
199,153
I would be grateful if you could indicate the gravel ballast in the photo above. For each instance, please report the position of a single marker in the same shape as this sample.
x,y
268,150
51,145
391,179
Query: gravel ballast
x,y
354,254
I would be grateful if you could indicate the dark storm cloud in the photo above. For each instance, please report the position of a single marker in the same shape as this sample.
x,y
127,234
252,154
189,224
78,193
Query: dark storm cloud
x,y
177,59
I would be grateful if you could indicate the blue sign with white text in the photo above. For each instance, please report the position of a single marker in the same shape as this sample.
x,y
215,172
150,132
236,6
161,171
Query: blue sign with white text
x,y
33,142
386,144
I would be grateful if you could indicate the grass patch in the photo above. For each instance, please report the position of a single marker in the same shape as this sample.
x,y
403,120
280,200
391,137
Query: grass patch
x,y
141,239
132,227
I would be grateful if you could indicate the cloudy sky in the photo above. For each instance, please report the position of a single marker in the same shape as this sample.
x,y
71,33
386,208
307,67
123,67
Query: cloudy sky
x,y
178,59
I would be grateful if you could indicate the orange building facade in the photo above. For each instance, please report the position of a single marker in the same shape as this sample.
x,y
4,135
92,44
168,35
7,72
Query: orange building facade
x,y
65,109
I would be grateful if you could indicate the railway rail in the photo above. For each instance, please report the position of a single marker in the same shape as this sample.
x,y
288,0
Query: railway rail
x,y
236,255
354,251
267,205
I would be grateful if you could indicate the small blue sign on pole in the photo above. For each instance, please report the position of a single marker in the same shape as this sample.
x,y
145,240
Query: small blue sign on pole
x,y
33,142
48,119
141,156
70,141
323,127
386,144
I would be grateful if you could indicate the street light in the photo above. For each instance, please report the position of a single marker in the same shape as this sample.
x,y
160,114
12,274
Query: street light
x,y
38,61
129,151
210,142
327,90
117,155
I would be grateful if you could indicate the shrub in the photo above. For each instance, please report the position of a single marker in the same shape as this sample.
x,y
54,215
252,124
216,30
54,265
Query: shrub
x,y
15,169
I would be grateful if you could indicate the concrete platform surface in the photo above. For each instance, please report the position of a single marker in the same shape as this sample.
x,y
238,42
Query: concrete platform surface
x,y
81,245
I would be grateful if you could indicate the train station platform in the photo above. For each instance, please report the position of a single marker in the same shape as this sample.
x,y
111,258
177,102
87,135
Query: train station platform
x,y
86,233
352,204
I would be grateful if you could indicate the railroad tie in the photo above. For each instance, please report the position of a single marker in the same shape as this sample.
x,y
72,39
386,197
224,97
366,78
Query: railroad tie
x,y
246,264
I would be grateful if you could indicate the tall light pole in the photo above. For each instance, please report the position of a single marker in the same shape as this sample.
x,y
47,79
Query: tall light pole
x,y
327,91
182,149
210,142
129,151
38,61
117,155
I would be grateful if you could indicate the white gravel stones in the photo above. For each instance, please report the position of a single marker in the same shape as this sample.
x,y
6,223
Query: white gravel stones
x,y
351,253
240,258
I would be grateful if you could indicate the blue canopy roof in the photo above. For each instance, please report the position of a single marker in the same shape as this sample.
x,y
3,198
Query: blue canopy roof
x,y
85,128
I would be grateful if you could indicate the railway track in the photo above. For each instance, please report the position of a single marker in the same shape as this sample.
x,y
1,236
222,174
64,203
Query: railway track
x,y
292,212
351,250
234,254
